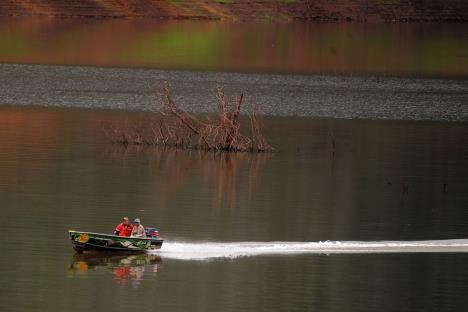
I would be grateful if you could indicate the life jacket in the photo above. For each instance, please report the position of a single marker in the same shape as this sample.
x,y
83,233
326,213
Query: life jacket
x,y
124,230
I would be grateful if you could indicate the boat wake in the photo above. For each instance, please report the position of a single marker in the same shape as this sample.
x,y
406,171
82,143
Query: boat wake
x,y
212,250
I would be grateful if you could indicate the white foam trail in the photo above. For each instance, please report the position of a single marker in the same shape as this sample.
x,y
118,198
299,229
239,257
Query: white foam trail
x,y
208,250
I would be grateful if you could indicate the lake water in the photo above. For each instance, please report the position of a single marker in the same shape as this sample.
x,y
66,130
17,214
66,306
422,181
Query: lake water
x,y
434,50
362,207
289,95
387,181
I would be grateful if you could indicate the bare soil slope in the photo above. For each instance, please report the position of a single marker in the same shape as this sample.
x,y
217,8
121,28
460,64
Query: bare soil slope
x,y
357,10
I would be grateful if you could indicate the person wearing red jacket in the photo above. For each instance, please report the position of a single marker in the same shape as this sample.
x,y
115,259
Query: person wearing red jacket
x,y
124,228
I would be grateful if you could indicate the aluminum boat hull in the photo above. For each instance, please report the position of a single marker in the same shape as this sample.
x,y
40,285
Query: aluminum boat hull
x,y
88,241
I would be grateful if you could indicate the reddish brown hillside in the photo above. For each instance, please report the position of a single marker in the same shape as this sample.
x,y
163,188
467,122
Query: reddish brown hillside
x,y
360,10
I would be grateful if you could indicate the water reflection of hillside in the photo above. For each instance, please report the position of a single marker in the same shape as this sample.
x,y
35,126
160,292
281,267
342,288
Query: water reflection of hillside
x,y
127,269
292,47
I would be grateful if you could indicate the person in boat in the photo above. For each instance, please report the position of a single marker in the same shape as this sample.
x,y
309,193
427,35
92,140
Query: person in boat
x,y
124,228
138,229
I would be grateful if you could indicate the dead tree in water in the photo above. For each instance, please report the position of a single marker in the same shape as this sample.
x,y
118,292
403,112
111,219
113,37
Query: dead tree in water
x,y
174,127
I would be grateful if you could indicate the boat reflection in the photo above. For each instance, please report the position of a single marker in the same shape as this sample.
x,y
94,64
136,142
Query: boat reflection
x,y
127,269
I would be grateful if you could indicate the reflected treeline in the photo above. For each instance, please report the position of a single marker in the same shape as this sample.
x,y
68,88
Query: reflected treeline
x,y
220,170
404,49
127,269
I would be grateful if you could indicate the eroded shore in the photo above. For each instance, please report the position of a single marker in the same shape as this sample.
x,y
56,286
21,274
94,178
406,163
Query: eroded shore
x,y
341,10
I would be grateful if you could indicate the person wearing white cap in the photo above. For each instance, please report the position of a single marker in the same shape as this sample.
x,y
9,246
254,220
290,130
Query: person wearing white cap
x,y
138,229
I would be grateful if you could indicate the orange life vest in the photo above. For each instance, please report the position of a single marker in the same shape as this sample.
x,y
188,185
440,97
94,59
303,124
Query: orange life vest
x,y
124,230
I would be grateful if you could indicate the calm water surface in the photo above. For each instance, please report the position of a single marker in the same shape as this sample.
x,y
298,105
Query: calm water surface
x,y
381,181
436,50
387,180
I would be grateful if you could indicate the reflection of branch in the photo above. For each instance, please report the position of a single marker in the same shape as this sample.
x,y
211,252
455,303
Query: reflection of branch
x,y
219,170
256,165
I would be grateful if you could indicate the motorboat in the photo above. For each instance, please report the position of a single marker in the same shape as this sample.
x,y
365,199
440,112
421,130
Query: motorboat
x,y
89,241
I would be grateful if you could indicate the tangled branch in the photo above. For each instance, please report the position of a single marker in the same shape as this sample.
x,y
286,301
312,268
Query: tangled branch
x,y
174,127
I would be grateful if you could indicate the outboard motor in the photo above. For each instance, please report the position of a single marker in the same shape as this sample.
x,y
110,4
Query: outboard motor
x,y
152,232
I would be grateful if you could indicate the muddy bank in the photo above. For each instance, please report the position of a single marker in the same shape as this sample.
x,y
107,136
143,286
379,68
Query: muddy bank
x,y
340,10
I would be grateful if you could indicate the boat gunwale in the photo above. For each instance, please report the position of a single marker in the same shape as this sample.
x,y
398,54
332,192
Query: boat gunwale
x,y
115,236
